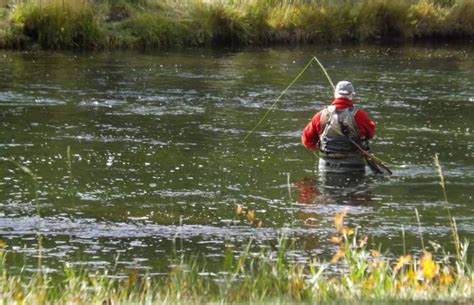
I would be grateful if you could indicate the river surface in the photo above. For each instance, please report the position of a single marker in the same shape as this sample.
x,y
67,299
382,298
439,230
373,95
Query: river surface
x,y
139,157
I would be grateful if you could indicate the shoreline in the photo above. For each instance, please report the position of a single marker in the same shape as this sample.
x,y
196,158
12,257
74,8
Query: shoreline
x,y
164,25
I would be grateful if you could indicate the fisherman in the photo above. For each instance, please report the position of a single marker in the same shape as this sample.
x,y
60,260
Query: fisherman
x,y
330,130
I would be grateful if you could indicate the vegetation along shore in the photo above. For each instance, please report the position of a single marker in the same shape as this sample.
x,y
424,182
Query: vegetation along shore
x,y
269,276
358,271
153,24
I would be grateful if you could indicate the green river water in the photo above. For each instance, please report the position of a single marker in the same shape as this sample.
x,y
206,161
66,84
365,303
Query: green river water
x,y
139,157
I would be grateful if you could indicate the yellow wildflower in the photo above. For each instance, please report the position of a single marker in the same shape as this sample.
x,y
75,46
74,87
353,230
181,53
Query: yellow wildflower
x,y
339,220
369,283
419,286
296,284
19,297
410,275
347,231
398,285
238,209
429,268
338,255
336,239
363,241
251,215
445,278
402,260
374,253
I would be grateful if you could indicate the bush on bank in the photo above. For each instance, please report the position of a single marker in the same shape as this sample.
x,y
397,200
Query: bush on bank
x,y
57,27
109,24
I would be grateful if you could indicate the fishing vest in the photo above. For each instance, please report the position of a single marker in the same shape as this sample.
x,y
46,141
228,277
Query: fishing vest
x,y
337,126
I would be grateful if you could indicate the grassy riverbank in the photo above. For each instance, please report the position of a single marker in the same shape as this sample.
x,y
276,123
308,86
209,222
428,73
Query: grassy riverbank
x,y
356,272
142,24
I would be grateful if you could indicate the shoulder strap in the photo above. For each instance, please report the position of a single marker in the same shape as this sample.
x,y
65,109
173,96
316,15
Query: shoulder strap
x,y
326,115
354,112
344,127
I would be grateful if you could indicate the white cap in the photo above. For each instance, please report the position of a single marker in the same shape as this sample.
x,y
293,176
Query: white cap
x,y
344,89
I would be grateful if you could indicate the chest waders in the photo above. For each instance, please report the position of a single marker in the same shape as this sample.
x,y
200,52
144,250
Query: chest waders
x,y
337,153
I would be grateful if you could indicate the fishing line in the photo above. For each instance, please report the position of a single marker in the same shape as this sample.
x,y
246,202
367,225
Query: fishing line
x,y
314,58
325,73
284,91
334,88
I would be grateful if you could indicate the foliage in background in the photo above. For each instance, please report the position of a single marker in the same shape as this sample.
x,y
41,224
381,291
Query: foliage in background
x,y
59,25
387,20
108,24
154,31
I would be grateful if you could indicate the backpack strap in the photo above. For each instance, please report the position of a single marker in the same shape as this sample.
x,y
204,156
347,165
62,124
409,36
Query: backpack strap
x,y
326,116
345,131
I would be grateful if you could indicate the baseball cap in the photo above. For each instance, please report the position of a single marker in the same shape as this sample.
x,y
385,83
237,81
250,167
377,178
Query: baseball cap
x,y
344,89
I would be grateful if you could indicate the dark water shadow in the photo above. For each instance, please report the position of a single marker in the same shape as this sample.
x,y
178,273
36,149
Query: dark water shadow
x,y
336,188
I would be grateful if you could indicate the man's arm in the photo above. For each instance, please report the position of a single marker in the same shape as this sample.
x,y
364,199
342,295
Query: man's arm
x,y
365,125
310,135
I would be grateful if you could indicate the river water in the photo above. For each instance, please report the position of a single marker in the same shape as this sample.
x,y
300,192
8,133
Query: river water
x,y
139,157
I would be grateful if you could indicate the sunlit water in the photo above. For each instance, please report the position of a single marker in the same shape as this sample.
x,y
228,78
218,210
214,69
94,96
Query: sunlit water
x,y
139,157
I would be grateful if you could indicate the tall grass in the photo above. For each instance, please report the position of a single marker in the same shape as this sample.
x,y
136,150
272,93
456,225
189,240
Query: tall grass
x,y
428,19
59,25
459,20
151,31
383,20
216,24
365,274
356,272
88,24
452,221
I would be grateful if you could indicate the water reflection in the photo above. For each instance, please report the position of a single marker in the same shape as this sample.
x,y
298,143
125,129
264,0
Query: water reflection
x,y
350,188
322,196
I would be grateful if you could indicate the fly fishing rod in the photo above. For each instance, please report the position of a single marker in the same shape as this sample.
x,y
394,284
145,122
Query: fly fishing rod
x,y
314,59
373,162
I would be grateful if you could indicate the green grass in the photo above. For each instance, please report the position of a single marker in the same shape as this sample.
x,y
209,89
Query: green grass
x,y
151,31
383,20
59,26
267,276
355,273
217,24
87,24
460,19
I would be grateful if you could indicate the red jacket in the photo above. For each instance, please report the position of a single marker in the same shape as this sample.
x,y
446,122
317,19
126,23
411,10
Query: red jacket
x,y
312,131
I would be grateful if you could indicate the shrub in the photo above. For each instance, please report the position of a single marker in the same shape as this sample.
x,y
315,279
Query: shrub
x,y
93,24
216,24
460,19
118,11
427,19
255,16
55,26
383,20
299,23
154,31
312,23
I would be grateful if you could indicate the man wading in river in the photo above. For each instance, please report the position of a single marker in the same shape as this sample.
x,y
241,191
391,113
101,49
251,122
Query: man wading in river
x,y
331,128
